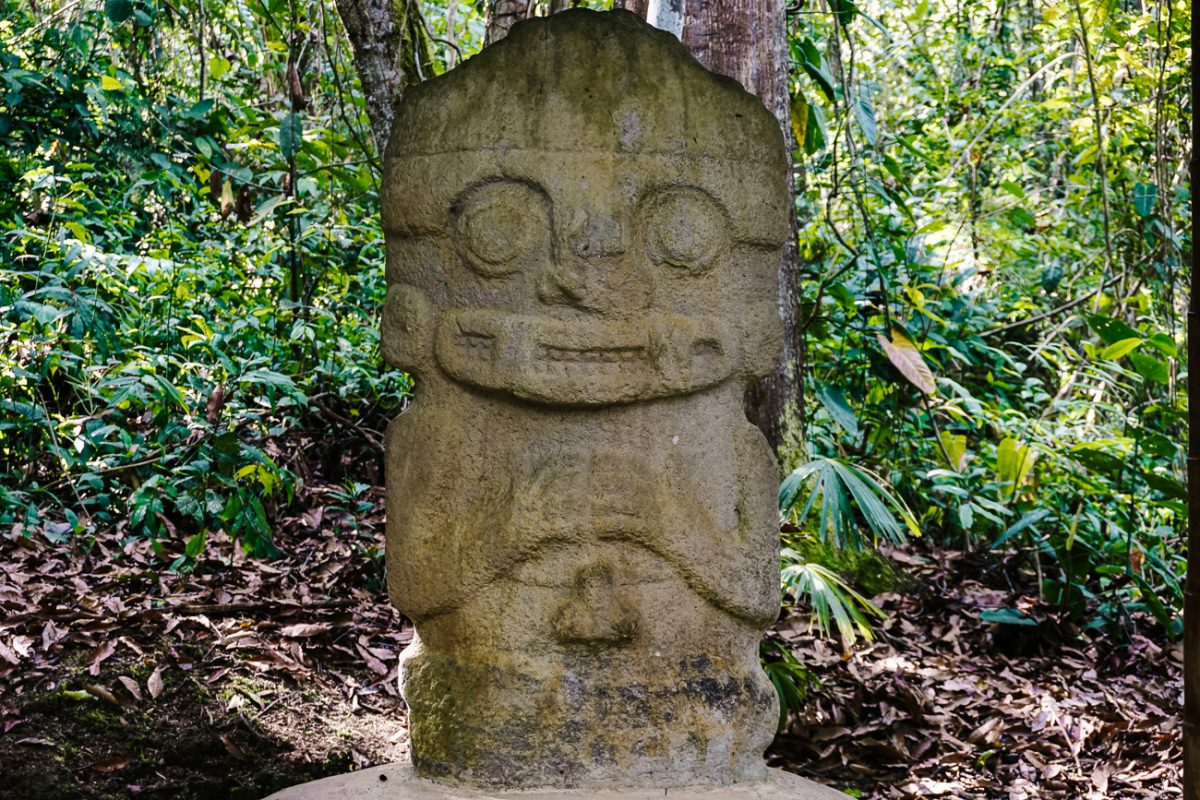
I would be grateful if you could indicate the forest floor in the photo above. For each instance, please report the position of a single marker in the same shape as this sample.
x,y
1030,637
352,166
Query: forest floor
x,y
119,679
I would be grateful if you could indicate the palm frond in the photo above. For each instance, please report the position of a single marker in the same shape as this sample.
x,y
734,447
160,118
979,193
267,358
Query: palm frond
x,y
832,600
838,489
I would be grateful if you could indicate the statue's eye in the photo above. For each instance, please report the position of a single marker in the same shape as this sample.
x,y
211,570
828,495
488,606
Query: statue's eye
x,y
684,228
496,224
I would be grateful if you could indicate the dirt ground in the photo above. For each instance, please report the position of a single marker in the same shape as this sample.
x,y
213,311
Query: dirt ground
x,y
119,679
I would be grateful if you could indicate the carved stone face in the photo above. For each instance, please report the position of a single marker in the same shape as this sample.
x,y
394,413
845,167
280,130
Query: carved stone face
x,y
584,279
577,242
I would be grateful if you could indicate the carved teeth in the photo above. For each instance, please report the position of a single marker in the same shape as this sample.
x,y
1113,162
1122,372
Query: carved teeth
x,y
608,358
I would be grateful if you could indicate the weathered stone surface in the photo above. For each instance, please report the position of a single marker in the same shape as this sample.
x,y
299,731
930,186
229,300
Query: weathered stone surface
x,y
583,231
398,782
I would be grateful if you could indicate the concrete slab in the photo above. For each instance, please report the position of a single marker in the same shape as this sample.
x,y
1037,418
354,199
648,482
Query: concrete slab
x,y
397,782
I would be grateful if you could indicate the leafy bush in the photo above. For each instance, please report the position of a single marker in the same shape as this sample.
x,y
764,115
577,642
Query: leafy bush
x,y
191,277
993,317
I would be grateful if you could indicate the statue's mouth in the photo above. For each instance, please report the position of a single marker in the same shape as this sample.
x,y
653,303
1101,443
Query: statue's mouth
x,y
584,363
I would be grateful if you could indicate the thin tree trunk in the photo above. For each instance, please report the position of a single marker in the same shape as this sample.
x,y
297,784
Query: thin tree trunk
x,y
1191,600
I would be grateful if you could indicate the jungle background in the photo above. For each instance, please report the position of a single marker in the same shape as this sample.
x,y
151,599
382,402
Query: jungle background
x,y
983,503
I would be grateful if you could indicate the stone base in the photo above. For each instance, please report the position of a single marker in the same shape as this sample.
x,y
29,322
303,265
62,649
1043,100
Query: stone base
x,y
397,782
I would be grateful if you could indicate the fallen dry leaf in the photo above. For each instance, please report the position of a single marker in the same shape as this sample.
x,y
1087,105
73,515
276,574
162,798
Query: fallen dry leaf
x,y
303,630
99,655
112,764
154,684
131,686
233,748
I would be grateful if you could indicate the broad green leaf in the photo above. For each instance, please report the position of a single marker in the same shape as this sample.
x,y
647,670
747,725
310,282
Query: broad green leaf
x,y
1110,330
1013,188
1163,344
813,64
1096,459
966,516
195,545
1007,616
864,114
835,403
844,10
817,132
896,171
218,66
268,206
1023,218
1144,197
118,10
1121,349
1165,484
80,232
955,447
1150,368
291,135
1158,445
268,377
905,357
1014,459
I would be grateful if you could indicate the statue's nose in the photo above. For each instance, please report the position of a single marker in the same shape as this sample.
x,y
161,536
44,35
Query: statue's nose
x,y
599,236
593,271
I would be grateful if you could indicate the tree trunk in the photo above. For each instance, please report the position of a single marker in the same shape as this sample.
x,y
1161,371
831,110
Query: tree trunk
x,y
502,15
391,53
747,40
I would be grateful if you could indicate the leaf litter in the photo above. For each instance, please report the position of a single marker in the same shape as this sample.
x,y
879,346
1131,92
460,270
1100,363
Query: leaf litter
x,y
241,676
945,704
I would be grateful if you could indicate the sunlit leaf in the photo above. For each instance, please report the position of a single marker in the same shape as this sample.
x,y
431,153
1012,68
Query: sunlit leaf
x,y
1014,460
954,448
1120,349
906,358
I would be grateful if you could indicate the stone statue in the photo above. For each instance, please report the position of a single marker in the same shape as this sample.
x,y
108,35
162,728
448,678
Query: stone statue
x,y
583,235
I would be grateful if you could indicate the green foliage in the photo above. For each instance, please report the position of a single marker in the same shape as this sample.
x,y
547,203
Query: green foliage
x,y
847,500
869,571
837,489
993,314
833,602
791,679
192,270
